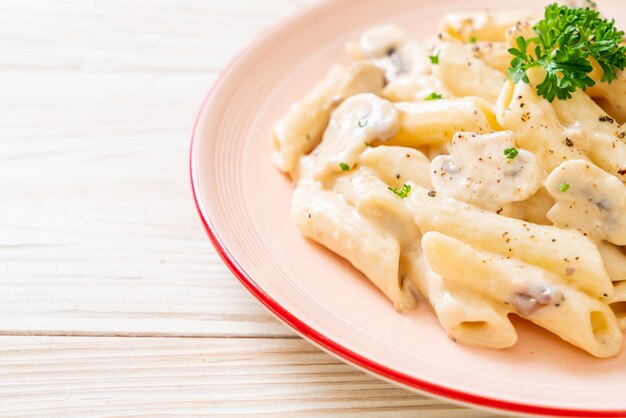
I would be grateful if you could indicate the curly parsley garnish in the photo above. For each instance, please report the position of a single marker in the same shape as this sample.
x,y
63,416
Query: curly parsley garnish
x,y
566,38
433,96
434,59
403,192
511,153
344,166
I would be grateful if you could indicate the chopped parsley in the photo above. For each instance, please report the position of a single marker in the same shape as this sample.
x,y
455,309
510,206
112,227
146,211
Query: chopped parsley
x,y
511,153
565,40
344,166
473,39
362,123
403,192
434,59
433,96
563,187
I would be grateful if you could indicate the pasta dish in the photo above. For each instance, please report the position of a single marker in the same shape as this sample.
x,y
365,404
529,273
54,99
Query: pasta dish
x,y
481,171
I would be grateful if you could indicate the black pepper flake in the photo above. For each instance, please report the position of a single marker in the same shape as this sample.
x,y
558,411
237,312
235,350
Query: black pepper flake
x,y
499,211
569,142
606,118
309,215
621,134
397,176
525,116
622,171
432,193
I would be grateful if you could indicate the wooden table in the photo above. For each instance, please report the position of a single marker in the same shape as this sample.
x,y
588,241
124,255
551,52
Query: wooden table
x,y
112,300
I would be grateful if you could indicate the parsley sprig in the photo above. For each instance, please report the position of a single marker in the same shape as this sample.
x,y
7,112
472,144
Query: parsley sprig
x,y
565,40
433,96
403,192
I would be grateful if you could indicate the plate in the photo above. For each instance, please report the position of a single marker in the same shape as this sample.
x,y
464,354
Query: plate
x,y
244,203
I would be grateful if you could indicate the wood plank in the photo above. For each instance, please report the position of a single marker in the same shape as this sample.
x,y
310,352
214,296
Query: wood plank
x,y
97,377
98,231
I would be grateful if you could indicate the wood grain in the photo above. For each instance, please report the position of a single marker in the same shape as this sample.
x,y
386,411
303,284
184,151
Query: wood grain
x,y
74,377
104,265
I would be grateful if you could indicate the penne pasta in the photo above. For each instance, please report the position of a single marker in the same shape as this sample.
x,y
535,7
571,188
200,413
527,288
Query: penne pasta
x,y
494,54
464,75
533,293
482,26
566,253
466,317
397,165
536,125
614,259
617,303
604,138
322,216
434,122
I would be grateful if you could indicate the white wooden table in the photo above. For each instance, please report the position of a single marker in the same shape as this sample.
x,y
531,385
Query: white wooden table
x,y
112,300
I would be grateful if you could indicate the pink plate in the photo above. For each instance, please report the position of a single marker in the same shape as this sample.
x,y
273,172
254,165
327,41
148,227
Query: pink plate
x,y
244,203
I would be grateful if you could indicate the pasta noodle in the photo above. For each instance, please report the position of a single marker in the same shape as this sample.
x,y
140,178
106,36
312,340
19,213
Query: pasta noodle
x,y
531,292
434,122
464,75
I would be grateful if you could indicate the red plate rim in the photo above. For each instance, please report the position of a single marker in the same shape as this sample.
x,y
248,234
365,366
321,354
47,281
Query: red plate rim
x,y
320,339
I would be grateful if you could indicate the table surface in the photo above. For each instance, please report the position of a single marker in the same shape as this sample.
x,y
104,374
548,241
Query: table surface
x,y
112,300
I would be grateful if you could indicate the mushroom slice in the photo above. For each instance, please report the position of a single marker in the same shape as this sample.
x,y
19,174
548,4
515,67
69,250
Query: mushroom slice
x,y
486,170
389,48
378,41
356,123
588,199
301,128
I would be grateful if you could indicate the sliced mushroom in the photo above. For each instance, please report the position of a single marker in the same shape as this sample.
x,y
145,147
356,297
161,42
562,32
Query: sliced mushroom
x,y
356,123
389,48
535,297
378,41
361,77
588,199
299,130
486,170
